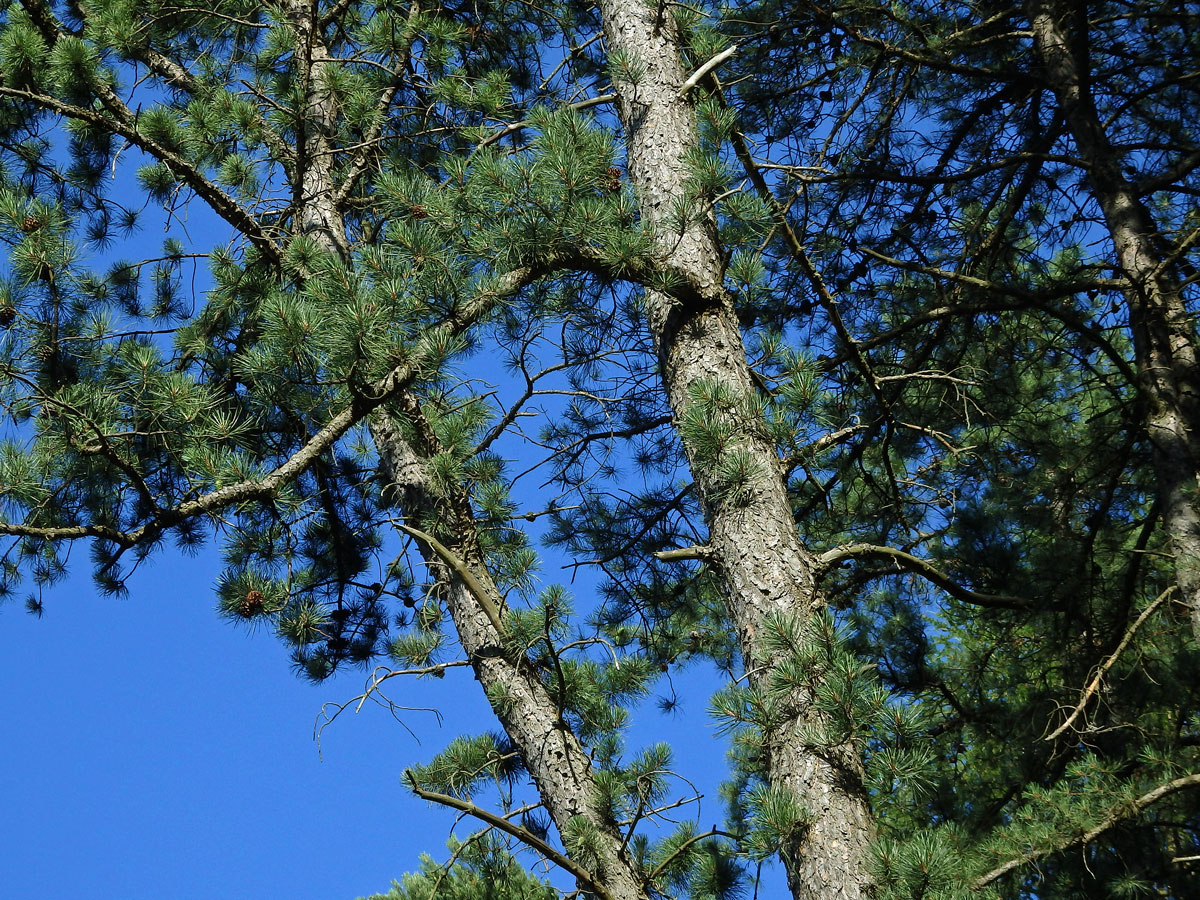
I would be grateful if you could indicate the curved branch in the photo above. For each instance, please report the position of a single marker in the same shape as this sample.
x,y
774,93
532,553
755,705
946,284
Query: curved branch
x,y
489,602
524,835
918,566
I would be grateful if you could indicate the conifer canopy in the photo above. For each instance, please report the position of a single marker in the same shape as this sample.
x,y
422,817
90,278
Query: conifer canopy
x,y
849,349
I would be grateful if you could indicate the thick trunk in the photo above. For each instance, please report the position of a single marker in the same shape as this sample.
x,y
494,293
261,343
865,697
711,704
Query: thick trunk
x,y
1163,335
767,571
552,755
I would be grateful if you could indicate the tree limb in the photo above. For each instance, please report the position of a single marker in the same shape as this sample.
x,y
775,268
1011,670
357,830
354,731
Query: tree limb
x,y
683,554
927,571
1094,685
1121,812
524,835
489,602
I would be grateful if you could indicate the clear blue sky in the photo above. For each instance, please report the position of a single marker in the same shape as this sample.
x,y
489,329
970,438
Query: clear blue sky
x,y
152,749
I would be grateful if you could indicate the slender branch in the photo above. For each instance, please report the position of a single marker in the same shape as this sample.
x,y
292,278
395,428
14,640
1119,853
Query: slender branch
x,y
71,533
490,602
219,201
524,835
810,450
1094,685
920,567
1119,813
682,848
366,151
717,60
517,126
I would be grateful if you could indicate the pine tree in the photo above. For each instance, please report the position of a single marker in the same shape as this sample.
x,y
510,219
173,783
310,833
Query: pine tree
x,y
889,308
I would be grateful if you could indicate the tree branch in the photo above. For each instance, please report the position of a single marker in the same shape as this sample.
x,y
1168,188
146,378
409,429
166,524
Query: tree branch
x,y
694,78
268,486
683,554
1094,685
920,567
522,834
1119,813
489,602
219,201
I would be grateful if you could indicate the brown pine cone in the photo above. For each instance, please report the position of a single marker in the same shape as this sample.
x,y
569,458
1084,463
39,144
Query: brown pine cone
x,y
250,604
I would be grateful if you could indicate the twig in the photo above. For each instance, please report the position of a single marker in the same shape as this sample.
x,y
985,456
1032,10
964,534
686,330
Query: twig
x,y
1094,685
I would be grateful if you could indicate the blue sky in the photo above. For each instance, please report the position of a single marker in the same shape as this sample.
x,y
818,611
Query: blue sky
x,y
154,750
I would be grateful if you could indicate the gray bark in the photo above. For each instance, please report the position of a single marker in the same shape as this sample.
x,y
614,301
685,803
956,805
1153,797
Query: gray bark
x,y
767,571
313,188
1164,338
554,758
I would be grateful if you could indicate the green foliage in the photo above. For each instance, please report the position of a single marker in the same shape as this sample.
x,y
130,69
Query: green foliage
x,y
480,868
466,763
944,362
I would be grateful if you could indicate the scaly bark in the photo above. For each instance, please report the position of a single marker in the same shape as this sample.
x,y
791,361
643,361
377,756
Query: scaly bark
x,y
313,187
552,755
555,760
1164,338
766,569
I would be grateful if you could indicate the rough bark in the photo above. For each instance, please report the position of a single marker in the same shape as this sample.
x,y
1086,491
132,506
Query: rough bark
x,y
753,542
555,760
1164,337
313,188
553,756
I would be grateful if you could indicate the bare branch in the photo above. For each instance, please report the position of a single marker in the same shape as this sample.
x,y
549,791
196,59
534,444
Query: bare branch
x,y
1094,684
683,554
920,567
694,78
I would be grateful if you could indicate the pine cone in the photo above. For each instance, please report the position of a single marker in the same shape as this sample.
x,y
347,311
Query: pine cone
x,y
419,212
251,604
7,315
45,353
612,180
30,224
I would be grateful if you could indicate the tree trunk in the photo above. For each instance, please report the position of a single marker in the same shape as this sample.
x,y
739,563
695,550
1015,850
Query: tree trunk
x,y
768,573
552,755
549,749
313,193
1164,339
